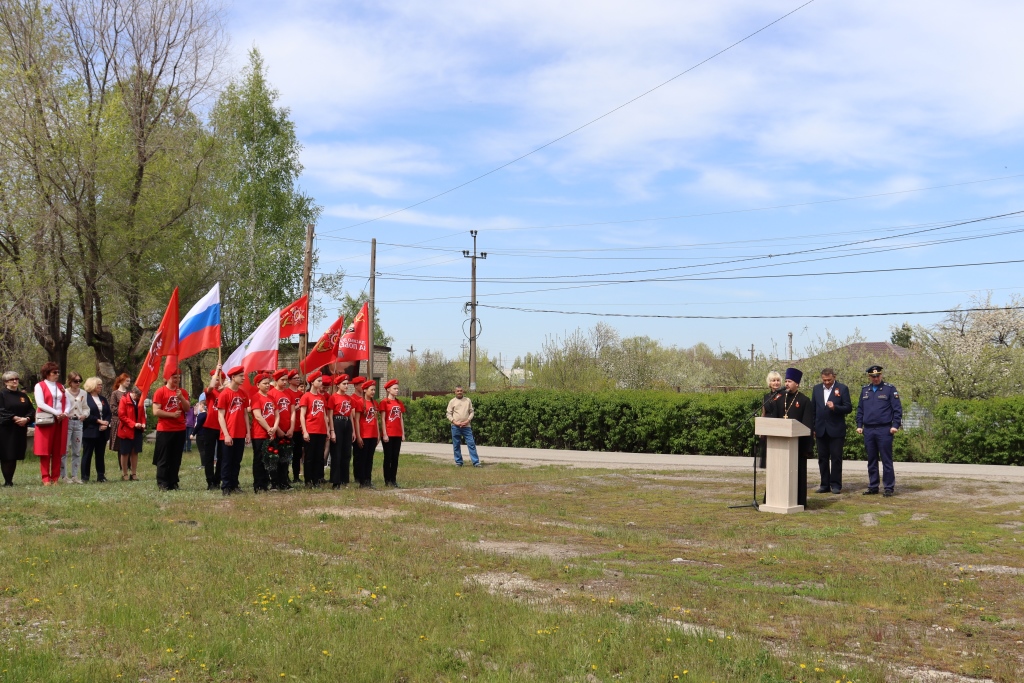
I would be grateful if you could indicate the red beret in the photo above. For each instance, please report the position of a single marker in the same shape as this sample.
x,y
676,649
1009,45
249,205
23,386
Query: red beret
x,y
214,372
358,381
280,373
369,383
340,378
262,376
390,383
292,374
313,376
237,370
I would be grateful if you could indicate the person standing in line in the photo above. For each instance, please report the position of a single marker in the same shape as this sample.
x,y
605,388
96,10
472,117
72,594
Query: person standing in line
x,y
122,385
131,426
357,432
284,434
233,416
51,435
879,417
265,421
199,416
315,428
190,427
170,403
211,452
831,406
340,410
392,412
15,415
460,414
94,430
298,445
369,430
71,464
795,406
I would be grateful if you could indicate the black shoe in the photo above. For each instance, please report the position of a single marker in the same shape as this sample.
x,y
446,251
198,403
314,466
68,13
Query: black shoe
x,y
478,464
888,493
164,488
870,492
226,492
821,489
212,487
335,487
837,491
101,480
458,464
8,483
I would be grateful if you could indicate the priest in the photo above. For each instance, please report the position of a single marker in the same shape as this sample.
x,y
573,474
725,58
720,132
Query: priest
x,y
796,406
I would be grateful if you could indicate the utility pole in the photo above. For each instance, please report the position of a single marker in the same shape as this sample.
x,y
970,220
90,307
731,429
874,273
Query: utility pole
x,y
411,350
369,309
307,275
790,347
472,315
751,353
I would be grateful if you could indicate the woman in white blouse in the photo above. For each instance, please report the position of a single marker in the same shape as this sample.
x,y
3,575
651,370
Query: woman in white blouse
x,y
78,410
50,440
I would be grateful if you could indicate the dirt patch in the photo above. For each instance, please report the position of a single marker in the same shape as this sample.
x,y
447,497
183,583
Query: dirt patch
x,y
914,674
990,569
1010,525
413,498
693,629
373,513
551,551
868,519
699,563
301,552
513,585
918,516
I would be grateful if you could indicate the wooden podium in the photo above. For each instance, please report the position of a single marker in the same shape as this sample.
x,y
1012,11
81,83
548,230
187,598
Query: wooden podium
x,y
783,459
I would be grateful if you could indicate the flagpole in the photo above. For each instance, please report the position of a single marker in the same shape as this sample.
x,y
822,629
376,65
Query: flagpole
x,y
369,312
307,268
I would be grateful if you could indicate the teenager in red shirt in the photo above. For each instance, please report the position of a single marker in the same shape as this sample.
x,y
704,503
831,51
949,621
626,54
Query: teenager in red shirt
x,y
313,420
170,402
392,413
340,409
357,435
234,427
298,445
212,439
369,430
283,438
265,421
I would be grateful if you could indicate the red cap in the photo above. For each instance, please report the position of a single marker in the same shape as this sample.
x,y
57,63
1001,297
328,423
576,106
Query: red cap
x,y
313,376
358,381
280,373
340,378
214,372
237,370
390,383
369,383
262,376
292,374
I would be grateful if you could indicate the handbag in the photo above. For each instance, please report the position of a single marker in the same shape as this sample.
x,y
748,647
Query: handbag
x,y
43,418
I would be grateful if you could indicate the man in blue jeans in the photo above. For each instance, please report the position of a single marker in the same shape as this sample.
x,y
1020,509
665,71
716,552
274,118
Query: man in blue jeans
x,y
460,414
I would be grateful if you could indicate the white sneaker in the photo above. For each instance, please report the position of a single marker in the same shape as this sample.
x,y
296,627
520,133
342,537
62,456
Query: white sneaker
x,y
76,480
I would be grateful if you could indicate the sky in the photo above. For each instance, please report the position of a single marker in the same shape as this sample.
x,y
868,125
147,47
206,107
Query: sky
x,y
847,137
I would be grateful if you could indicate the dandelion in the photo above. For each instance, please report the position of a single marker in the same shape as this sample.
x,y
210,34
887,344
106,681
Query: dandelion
x,y
170,650
594,667
803,666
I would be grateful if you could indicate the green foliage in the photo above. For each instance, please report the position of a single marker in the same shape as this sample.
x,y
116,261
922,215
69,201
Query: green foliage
x,y
989,432
350,306
902,336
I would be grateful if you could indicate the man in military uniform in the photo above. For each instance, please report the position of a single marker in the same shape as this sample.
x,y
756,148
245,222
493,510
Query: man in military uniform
x,y
796,406
879,417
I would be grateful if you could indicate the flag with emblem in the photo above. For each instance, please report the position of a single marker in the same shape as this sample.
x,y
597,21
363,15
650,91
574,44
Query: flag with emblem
x,y
165,343
326,348
355,343
295,317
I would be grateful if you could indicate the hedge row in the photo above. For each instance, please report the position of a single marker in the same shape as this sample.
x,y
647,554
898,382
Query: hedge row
x,y
982,432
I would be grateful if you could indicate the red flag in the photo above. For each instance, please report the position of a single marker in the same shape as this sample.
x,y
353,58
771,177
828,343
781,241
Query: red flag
x,y
165,343
326,349
295,317
355,343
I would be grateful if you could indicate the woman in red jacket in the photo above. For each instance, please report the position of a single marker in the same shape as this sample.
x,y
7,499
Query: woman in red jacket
x,y
51,439
392,412
131,424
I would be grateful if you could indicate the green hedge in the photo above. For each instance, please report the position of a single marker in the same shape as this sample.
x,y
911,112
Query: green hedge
x,y
982,432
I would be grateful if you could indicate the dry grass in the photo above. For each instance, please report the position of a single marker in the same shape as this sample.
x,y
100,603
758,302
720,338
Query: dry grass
x,y
510,574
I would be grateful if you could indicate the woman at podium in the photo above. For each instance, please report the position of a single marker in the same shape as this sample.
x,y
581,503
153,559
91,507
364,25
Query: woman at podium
x,y
793,405
774,382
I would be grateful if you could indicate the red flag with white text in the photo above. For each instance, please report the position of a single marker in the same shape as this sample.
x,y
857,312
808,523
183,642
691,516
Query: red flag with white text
x,y
295,317
326,349
355,343
165,343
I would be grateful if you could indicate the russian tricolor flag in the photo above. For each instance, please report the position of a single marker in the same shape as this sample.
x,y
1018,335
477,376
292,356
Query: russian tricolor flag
x,y
200,328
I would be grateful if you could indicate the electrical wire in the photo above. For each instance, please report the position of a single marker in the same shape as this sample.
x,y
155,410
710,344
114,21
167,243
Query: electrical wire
x,y
752,317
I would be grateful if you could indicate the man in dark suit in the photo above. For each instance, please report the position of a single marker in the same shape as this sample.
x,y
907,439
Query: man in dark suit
x,y
831,406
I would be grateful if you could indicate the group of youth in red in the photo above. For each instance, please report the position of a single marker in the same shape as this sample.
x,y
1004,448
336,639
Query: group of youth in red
x,y
293,432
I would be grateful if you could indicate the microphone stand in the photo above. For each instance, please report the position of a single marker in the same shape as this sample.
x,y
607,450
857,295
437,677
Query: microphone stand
x,y
753,450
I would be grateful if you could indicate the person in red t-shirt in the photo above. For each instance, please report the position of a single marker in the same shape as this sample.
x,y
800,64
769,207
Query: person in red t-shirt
x,y
234,427
369,431
265,421
298,445
315,428
340,409
212,438
169,405
283,438
357,436
392,412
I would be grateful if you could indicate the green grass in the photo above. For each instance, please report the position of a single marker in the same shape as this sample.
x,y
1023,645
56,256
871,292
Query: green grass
x,y
118,582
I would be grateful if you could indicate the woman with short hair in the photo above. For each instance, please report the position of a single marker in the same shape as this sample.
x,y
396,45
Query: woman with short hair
x,y
118,390
15,415
71,465
131,427
94,430
50,439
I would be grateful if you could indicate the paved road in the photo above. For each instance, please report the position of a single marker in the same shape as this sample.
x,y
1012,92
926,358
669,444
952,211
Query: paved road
x,y
655,461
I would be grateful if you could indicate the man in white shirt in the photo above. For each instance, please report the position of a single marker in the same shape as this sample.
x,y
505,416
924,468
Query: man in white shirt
x,y
460,414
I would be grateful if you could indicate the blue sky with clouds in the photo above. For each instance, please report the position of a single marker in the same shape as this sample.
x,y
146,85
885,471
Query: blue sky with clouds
x,y
396,101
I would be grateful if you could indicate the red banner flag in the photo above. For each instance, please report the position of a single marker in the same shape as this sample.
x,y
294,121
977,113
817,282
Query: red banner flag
x,y
355,343
326,349
295,317
165,343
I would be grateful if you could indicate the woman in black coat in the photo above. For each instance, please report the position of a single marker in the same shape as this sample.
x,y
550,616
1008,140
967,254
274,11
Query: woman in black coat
x,y
15,415
95,429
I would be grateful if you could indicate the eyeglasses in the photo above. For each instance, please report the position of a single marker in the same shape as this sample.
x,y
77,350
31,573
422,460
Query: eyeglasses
x,y
74,381
12,379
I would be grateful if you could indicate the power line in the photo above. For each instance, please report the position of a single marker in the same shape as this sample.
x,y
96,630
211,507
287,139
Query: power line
x,y
585,125
753,317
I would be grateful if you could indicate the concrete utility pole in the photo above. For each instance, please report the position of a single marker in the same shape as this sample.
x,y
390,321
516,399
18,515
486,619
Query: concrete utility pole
x,y
369,309
790,347
411,350
472,315
751,353
307,275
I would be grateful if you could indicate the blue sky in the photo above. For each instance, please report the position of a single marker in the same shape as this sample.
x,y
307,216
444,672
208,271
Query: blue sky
x,y
397,101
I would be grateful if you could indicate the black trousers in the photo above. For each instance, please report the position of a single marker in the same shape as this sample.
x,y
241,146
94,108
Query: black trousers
x,y
391,449
281,479
363,466
230,460
94,446
260,476
313,452
341,450
298,447
830,460
167,458
210,452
